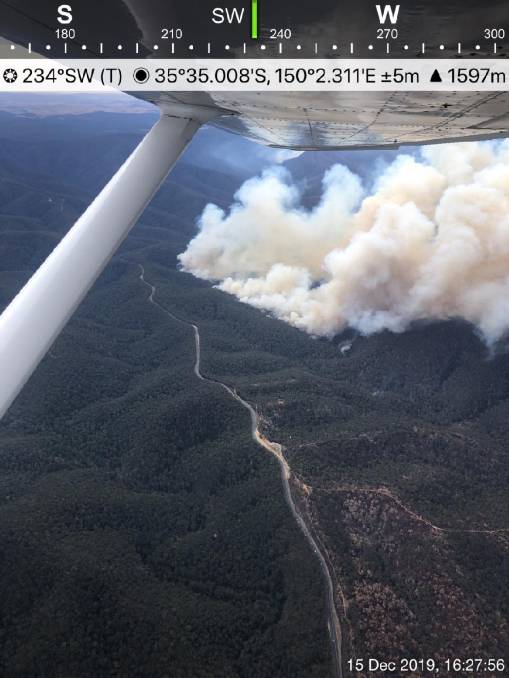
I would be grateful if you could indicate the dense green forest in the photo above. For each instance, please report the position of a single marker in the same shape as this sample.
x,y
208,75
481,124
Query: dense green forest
x,y
141,530
401,441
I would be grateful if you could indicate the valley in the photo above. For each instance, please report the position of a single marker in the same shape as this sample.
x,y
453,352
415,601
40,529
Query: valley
x,y
144,530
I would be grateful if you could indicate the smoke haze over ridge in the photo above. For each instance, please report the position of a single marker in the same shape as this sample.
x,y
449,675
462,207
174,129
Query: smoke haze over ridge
x,y
430,241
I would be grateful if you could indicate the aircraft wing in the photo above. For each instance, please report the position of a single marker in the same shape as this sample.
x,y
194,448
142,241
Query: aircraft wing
x,y
301,121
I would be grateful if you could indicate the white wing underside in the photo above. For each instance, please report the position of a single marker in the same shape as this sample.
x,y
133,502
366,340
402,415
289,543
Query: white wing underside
x,y
300,120
35,317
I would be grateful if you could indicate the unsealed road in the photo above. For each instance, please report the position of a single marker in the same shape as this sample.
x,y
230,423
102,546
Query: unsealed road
x,y
286,474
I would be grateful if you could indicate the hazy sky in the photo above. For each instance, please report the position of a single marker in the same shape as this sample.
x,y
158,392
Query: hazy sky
x,y
44,104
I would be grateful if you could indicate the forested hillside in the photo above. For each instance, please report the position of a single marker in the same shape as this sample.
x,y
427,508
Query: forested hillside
x,y
143,533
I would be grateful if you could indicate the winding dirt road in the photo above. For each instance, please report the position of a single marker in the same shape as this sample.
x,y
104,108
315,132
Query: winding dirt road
x,y
386,492
286,474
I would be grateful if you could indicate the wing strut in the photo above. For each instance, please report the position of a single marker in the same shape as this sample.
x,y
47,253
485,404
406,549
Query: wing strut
x,y
33,320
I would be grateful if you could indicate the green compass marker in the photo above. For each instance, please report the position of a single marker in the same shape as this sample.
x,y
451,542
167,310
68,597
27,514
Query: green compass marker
x,y
254,19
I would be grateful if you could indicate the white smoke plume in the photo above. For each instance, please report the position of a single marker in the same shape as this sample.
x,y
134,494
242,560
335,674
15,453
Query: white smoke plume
x,y
430,242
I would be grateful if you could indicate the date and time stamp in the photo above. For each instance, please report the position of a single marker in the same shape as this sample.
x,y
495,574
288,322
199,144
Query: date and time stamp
x,y
491,666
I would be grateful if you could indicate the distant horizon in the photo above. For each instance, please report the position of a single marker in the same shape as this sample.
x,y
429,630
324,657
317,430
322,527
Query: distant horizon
x,y
72,103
